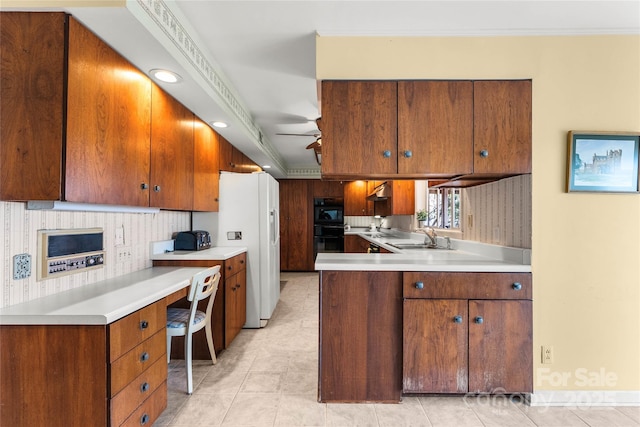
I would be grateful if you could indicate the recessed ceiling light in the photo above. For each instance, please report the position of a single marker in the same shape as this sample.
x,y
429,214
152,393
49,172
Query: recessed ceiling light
x,y
165,75
219,124
266,166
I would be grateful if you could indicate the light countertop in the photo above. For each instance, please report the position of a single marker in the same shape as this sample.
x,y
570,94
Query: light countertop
x,y
465,256
103,302
219,253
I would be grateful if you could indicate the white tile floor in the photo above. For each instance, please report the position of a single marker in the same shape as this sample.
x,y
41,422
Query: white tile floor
x,y
268,377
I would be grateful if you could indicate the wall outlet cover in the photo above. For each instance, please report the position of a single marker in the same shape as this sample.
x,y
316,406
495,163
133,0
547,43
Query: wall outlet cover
x,y
21,266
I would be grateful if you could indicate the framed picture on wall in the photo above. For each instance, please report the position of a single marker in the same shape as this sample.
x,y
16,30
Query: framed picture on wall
x,y
603,162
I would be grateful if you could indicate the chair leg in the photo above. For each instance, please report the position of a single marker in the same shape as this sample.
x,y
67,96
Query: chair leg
x,y
212,350
168,349
187,361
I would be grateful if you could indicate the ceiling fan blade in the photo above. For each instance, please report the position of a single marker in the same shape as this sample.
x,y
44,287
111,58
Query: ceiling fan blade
x,y
315,135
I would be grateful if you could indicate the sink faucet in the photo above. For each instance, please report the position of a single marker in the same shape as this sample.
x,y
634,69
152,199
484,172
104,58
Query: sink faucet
x,y
430,239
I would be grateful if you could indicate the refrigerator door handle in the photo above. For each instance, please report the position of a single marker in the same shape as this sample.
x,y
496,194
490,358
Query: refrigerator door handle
x,y
275,228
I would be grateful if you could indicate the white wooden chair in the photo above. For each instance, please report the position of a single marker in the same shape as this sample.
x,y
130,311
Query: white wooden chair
x,y
186,321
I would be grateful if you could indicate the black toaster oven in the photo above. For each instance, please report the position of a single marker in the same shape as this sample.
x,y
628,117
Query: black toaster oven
x,y
195,240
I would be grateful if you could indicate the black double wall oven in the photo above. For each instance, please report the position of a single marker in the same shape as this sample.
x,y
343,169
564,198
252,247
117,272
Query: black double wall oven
x,y
328,225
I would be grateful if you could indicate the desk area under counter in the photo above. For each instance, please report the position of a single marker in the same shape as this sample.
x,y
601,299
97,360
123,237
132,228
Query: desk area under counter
x,y
428,321
93,355
229,308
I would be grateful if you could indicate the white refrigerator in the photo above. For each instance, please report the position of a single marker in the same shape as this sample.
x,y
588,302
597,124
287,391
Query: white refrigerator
x,y
249,212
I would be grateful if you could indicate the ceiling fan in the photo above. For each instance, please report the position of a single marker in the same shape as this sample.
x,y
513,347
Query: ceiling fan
x,y
316,145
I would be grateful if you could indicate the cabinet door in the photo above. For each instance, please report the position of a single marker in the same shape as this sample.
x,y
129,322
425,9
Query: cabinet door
x,y
31,99
296,235
206,175
235,305
502,127
359,125
500,346
355,198
360,336
435,346
355,244
108,124
435,127
329,189
225,162
171,152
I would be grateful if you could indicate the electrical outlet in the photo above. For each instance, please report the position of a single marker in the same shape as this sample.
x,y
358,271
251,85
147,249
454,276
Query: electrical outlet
x,y
21,266
547,354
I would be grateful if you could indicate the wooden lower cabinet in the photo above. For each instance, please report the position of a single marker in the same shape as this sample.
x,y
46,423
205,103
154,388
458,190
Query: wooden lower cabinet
x,y
229,311
459,344
360,336
78,375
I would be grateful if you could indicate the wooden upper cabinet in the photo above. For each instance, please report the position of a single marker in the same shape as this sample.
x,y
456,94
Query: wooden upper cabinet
x,y
359,128
355,198
32,49
330,189
401,202
206,173
171,152
435,128
502,127
225,159
108,124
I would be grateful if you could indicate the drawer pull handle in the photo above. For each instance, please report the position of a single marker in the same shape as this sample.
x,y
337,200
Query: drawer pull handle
x,y
419,285
144,325
144,387
457,319
479,320
517,286
144,419
484,153
144,186
144,357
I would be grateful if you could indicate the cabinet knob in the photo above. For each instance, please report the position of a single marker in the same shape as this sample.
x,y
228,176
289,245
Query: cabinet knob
x,y
457,319
144,186
408,153
144,419
478,319
517,286
484,153
144,325
144,387
419,285
156,188
386,153
144,357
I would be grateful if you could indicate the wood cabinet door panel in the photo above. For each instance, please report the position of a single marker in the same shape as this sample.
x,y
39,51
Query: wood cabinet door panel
x,y
500,347
359,123
235,304
206,172
435,123
360,336
108,124
502,127
296,219
225,162
171,152
31,105
435,346
355,198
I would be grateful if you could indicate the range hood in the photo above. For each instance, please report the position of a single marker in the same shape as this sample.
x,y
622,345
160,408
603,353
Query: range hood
x,y
381,192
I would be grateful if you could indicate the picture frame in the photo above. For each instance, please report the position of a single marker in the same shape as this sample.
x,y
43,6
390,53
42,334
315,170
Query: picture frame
x,y
603,162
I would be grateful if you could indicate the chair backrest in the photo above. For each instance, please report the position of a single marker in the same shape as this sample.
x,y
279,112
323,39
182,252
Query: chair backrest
x,y
204,284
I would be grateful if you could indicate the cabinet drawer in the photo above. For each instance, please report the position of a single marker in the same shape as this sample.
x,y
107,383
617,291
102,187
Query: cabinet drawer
x,y
150,410
467,285
130,331
129,366
130,397
235,264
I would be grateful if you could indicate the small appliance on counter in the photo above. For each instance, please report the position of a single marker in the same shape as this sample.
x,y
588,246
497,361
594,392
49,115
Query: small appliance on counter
x,y
195,240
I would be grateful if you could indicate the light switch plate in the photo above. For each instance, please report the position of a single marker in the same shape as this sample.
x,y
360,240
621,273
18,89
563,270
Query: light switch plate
x,y
21,266
234,235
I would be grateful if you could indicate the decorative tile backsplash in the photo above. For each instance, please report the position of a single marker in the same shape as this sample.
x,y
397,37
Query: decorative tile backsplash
x,y
19,236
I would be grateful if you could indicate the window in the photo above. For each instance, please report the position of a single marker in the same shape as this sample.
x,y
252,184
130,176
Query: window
x,y
443,207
